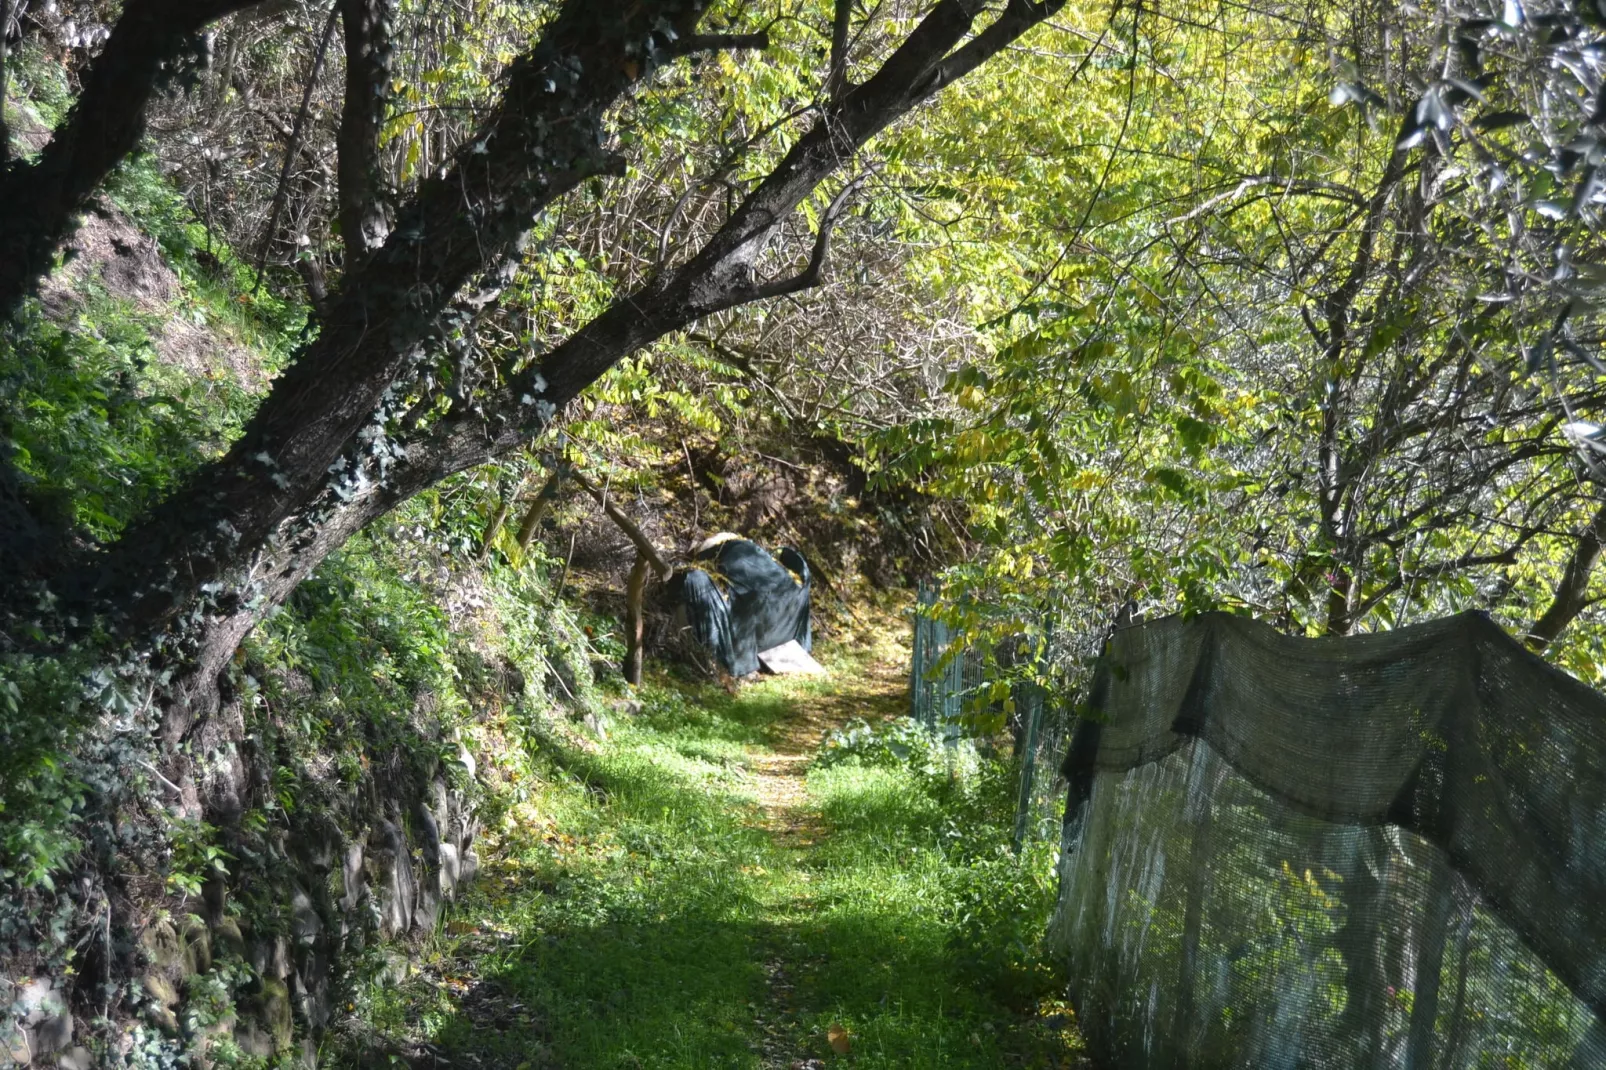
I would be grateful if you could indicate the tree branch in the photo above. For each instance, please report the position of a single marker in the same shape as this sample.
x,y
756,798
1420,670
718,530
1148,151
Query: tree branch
x,y
715,278
836,79
1506,556
809,277
718,276
1572,592
634,533
692,44
493,527
293,146
363,225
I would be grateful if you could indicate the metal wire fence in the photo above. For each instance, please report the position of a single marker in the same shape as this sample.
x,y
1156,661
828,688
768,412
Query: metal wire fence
x,y
951,691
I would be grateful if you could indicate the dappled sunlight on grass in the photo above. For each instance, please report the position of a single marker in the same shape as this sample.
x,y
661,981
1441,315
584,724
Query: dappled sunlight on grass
x,y
658,903
883,960
871,809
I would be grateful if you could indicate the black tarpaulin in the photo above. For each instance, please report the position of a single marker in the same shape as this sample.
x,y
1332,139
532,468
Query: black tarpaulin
x,y
742,601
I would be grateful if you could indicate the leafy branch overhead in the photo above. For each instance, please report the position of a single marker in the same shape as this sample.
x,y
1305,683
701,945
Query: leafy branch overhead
x,y
395,393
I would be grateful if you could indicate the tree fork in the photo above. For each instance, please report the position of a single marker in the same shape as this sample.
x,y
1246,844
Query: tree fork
x,y
543,139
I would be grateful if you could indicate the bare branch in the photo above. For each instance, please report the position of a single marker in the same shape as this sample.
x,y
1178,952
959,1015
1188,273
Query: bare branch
x,y
293,145
742,362
1572,593
674,214
810,276
633,532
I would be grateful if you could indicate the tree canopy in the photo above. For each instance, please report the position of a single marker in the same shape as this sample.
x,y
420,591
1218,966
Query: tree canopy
x,y
1214,305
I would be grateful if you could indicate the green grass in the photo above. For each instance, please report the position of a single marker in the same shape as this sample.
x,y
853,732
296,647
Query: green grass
x,y
639,915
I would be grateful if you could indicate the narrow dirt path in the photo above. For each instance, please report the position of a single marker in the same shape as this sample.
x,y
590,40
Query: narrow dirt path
x,y
691,895
876,691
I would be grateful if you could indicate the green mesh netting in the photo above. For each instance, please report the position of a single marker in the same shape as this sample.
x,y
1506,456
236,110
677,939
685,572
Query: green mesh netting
x,y
1377,851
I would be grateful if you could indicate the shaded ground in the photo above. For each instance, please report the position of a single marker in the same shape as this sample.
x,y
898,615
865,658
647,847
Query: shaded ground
x,y
692,894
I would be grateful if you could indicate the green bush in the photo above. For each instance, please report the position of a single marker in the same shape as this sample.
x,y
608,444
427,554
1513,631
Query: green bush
x,y
898,743
1000,905
39,791
97,424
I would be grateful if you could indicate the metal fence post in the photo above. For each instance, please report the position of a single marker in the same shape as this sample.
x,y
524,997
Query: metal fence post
x,y
1032,694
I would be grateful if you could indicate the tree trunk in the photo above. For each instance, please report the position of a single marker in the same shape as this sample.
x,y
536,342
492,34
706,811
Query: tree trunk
x,y
363,224
1429,969
635,619
1360,942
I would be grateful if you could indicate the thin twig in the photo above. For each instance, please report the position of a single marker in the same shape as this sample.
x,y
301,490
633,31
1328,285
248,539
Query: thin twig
x,y
294,146
557,592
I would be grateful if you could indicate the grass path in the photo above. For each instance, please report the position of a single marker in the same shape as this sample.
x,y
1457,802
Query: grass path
x,y
696,892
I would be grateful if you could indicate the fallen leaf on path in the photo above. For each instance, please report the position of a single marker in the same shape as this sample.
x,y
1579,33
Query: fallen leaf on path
x,y
839,1040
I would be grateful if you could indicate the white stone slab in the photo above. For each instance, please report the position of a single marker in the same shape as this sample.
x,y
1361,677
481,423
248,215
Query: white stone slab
x,y
789,657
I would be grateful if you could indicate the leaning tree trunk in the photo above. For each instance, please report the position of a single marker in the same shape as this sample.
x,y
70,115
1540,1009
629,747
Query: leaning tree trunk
x,y
339,397
348,432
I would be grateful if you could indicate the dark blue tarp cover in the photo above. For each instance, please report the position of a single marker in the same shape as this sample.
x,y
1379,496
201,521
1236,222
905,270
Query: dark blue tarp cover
x,y
742,601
